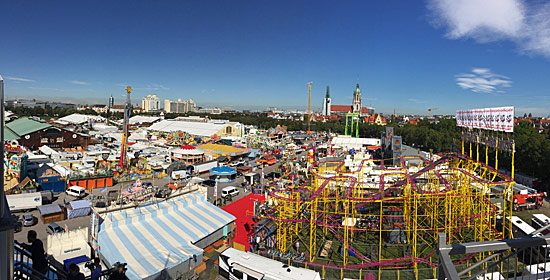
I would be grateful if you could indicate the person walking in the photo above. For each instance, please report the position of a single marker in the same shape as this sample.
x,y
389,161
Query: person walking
x,y
38,256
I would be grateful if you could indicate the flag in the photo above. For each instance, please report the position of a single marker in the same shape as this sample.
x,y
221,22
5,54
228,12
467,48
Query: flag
x,y
216,190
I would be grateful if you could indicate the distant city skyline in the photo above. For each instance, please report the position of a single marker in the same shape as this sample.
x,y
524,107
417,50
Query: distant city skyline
x,y
408,56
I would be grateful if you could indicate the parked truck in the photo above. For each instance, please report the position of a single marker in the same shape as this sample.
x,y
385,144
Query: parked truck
x,y
24,201
203,166
528,201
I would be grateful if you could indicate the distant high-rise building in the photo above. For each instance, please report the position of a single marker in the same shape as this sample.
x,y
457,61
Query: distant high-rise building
x,y
150,103
325,111
179,106
111,101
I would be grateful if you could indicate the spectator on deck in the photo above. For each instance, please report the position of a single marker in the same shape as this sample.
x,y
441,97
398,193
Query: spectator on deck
x,y
36,248
74,273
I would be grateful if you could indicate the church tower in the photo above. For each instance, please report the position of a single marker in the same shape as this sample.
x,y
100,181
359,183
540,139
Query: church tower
x,y
356,107
326,104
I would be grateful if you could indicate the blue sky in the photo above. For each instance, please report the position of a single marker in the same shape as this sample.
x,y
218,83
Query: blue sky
x,y
407,55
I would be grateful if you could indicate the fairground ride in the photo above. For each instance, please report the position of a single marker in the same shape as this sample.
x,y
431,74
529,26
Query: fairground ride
x,y
367,216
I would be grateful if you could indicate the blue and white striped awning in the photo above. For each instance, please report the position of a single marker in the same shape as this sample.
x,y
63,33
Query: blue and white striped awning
x,y
158,236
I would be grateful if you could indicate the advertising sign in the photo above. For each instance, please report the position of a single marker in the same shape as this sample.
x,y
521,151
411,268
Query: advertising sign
x,y
497,119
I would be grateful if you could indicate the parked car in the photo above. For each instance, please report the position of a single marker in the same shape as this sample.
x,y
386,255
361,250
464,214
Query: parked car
x,y
54,228
17,223
230,191
76,191
163,192
28,220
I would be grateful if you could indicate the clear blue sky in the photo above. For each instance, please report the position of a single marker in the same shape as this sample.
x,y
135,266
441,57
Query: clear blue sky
x,y
407,55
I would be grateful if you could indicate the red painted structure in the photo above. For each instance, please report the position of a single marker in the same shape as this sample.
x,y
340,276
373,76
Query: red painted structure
x,y
528,201
243,210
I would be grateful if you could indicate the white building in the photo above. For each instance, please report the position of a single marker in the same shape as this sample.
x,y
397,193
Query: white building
x,y
179,106
150,103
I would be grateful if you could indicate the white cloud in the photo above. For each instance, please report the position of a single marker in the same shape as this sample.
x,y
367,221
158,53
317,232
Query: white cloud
x,y
43,88
414,100
19,79
483,80
80,83
526,24
153,87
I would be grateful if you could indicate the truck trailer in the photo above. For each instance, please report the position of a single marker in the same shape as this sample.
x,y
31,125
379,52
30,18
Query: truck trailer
x,y
24,201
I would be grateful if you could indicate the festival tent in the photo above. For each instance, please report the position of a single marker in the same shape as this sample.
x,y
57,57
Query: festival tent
x,y
78,208
165,237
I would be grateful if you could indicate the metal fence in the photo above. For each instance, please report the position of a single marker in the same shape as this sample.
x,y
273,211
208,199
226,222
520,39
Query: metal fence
x,y
520,258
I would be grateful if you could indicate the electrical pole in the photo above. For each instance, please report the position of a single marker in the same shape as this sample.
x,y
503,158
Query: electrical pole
x,y
125,134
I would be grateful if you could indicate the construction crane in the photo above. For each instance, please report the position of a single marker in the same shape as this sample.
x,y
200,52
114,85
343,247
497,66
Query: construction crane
x,y
309,110
432,109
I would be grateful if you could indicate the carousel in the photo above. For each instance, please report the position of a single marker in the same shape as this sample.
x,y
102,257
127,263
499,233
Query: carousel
x,y
188,154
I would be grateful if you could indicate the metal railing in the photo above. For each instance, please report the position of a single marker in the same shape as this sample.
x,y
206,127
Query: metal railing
x,y
523,258
23,268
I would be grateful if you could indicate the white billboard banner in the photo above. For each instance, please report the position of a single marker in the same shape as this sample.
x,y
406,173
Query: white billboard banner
x,y
497,119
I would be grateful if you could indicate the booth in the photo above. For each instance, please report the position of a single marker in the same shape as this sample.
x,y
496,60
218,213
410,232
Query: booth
x,y
50,213
223,174
252,178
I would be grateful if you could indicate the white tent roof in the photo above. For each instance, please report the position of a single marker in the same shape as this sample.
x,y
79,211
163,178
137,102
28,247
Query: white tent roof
x,y
143,119
140,135
79,118
103,127
355,143
160,236
193,128
48,151
187,151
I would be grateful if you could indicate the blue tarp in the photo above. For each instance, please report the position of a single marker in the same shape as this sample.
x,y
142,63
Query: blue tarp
x,y
78,208
253,153
75,260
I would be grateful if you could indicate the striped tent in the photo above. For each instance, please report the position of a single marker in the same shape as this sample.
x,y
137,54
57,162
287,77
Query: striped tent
x,y
160,236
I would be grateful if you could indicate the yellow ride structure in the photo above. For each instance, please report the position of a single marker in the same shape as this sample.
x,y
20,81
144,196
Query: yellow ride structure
x,y
387,217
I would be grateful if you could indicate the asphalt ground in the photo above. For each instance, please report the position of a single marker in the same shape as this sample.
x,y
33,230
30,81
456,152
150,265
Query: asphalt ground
x,y
81,222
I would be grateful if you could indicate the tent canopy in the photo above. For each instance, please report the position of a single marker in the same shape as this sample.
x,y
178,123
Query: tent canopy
x,y
223,170
159,236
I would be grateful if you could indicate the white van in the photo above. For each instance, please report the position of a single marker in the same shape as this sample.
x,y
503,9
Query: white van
x,y
230,191
76,191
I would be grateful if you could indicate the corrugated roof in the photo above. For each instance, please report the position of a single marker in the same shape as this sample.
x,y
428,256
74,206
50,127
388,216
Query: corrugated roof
x,y
49,209
24,126
9,135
